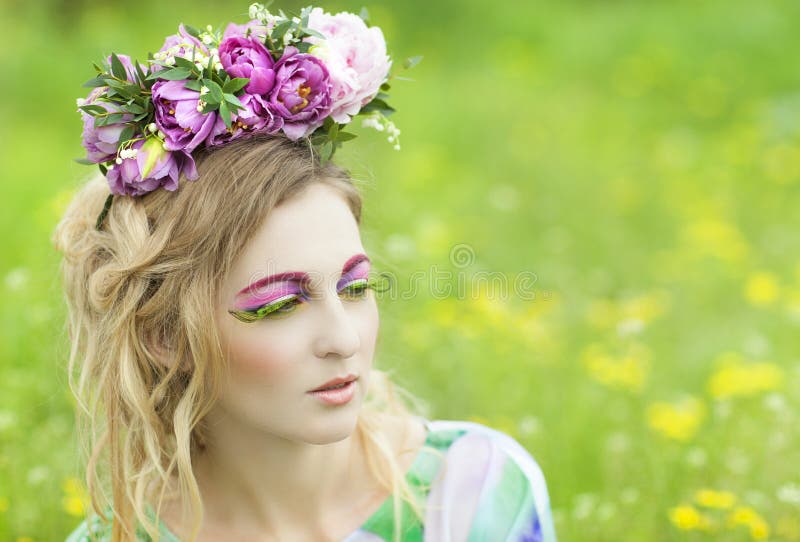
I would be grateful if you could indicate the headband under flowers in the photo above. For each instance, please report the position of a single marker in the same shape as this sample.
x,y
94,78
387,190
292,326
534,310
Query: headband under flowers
x,y
305,77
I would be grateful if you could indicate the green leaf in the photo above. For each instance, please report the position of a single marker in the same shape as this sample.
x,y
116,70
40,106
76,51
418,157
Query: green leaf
x,y
333,130
192,31
382,96
304,46
193,84
84,161
110,119
93,109
95,82
345,136
144,115
134,108
209,107
141,77
364,14
117,68
386,87
175,74
181,62
280,30
318,139
235,85
377,105
411,62
214,91
233,100
125,135
314,33
103,170
225,113
326,151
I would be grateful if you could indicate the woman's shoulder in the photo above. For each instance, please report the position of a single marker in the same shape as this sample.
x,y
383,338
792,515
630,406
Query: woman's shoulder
x,y
482,443
94,529
90,530
491,485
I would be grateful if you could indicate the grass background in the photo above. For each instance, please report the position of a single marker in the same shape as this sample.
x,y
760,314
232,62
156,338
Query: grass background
x,y
639,160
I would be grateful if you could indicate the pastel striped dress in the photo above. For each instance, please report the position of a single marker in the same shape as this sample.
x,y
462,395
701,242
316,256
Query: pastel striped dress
x,y
482,486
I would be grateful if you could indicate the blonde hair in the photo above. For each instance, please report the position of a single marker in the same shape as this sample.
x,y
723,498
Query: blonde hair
x,y
141,286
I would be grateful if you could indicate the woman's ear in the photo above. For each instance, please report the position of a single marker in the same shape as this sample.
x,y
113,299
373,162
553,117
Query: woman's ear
x,y
163,353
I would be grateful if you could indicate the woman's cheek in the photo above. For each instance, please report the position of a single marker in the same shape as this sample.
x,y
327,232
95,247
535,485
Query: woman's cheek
x,y
262,356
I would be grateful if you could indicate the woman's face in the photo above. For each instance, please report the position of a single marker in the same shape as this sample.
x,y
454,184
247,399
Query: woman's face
x,y
327,330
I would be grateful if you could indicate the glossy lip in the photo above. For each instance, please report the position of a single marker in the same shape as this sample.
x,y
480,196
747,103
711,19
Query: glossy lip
x,y
335,382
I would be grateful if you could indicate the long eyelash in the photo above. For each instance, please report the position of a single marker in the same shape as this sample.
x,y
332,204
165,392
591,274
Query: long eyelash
x,y
355,288
359,286
265,310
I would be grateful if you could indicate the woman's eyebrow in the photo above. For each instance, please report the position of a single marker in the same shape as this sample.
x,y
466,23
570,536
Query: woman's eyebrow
x,y
296,276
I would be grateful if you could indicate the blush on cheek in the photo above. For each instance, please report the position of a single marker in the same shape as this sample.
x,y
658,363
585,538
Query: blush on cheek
x,y
258,359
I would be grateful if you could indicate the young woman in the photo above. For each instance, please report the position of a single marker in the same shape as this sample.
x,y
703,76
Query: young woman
x,y
224,336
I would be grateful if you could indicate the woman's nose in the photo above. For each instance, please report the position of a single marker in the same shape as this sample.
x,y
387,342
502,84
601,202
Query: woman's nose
x,y
336,333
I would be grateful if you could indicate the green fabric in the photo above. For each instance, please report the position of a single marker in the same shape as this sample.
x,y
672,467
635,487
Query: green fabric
x,y
499,510
419,477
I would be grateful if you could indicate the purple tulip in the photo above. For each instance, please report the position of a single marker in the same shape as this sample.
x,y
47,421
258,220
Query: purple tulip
x,y
127,63
101,142
177,116
248,57
182,43
149,168
302,93
256,117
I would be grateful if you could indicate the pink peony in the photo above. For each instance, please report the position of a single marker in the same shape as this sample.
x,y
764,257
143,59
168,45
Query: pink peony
x,y
355,56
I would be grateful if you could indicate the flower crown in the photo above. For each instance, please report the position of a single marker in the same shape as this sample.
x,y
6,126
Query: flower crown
x,y
305,77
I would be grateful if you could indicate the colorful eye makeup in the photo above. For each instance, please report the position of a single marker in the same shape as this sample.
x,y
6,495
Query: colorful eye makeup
x,y
282,293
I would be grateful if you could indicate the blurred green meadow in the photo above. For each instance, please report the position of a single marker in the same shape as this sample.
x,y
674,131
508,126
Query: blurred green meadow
x,y
636,163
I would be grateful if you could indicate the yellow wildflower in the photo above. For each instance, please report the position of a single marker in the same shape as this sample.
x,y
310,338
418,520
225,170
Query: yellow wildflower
x,y
627,371
688,518
710,498
717,238
746,516
736,377
679,421
762,288
75,500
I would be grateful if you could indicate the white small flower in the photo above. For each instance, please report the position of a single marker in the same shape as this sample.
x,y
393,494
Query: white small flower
x,y
287,38
199,65
119,160
128,153
253,11
169,61
152,127
16,279
204,90
109,168
218,66
397,146
162,135
80,101
789,493
207,39
210,28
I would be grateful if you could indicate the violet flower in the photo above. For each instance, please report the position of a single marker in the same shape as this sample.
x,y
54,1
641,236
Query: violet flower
x,y
146,165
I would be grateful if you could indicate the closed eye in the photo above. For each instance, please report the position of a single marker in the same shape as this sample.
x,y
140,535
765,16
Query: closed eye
x,y
353,290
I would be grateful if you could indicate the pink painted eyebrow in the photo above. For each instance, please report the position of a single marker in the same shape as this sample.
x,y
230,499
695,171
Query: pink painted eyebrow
x,y
299,277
